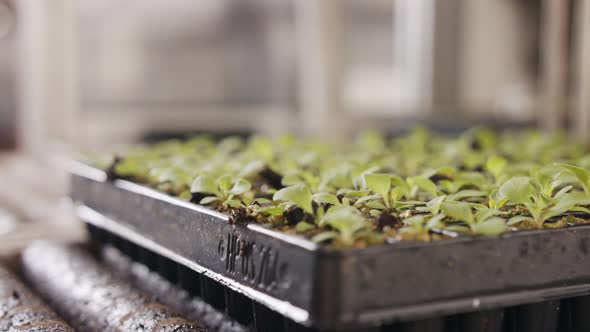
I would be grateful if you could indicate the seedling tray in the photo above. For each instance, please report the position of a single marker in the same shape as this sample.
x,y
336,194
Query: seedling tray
x,y
253,268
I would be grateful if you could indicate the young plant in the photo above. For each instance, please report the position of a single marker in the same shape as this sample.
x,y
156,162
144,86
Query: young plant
x,y
469,184
346,220
381,185
422,224
491,226
325,198
581,174
424,184
224,190
541,207
298,195
495,166
433,206
484,222
459,211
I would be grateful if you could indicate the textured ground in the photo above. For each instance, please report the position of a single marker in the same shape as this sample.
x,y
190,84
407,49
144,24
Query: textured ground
x,y
67,285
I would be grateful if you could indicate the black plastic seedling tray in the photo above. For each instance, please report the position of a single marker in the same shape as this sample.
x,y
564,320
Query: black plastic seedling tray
x,y
521,281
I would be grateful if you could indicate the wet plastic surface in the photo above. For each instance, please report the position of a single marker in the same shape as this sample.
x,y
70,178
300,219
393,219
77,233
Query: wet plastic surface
x,y
328,289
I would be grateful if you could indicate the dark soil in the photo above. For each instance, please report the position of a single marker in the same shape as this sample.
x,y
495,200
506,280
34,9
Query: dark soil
x,y
436,178
316,206
271,177
386,219
240,216
294,214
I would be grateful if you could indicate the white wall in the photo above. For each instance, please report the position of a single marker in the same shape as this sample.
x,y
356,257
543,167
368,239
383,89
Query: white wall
x,y
495,70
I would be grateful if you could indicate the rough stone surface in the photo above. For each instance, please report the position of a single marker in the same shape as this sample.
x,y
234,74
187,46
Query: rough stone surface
x,y
21,310
165,292
89,295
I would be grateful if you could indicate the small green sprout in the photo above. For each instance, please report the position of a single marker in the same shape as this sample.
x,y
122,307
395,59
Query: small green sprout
x,y
434,204
299,195
518,190
224,190
541,206
422,224
380,184
303,227
262,147
346,220
459,211
422,183
495,165
325,198
420,186
491,226
205,185
581,174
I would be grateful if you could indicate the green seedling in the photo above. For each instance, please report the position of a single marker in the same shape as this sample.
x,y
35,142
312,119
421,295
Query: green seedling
x,y
347,192
581,174
346,221
223,190
298,195
541,207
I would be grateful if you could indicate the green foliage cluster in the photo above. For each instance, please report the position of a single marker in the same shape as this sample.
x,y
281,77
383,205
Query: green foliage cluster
x,y
422,186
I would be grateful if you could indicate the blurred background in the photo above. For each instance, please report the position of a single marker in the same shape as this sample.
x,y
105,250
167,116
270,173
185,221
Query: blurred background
x,y
87,74
90,73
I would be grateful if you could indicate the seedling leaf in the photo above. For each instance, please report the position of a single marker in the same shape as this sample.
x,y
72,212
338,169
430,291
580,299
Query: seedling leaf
x,y
434,204
303,227
458,210
233,203
224,183
204,184
493,226
272,210
208,200
435,221
240,187
365,199
467,193
581,174
425,184
517,220
495,165
325,236
298,194
346,220
380,184
376,205
325,198
518,189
